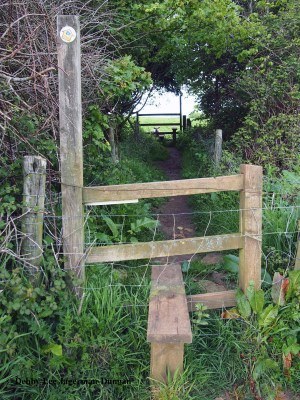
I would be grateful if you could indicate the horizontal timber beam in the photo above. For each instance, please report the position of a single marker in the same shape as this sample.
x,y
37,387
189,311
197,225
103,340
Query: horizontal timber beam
x,y
168,317
162,124
158,114
148,250
212,300
162,189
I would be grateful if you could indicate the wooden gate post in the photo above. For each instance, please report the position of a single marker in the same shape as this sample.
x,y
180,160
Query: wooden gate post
x,y
184,125
137,126
34,171
250,226
218,147
71,159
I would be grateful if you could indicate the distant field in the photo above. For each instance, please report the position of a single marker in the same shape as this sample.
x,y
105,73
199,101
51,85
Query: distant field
x,y
157,121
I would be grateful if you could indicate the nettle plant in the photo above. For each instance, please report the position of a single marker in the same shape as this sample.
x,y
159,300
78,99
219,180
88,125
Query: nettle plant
x,y
272,327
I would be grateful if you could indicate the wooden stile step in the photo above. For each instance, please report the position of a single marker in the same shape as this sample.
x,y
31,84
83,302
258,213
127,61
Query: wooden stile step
x,y
168,320
212,300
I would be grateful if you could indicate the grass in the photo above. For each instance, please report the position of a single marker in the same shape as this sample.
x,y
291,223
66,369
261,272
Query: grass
x,y
108,339
157,121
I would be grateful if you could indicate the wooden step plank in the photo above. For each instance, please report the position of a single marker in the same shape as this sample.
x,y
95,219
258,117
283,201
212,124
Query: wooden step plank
x,y
162,189
212,300
165,248
168,320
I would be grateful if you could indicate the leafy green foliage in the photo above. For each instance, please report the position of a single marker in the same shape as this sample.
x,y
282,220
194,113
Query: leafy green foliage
x,y
124,85
274,328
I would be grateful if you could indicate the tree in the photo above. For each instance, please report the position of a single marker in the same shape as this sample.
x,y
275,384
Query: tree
x,y
120,91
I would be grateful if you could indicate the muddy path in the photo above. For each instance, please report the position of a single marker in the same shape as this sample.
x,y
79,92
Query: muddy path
x,y
176,222
176,214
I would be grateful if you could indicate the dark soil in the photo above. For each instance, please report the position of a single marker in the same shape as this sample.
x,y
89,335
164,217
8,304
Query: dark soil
x,y
176,218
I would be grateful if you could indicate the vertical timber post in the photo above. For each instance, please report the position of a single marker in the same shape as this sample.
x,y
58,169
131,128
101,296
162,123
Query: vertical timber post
x,y
184,126
251,226
174,129
71,153
218,147
34,171
180,107
137,125
166,358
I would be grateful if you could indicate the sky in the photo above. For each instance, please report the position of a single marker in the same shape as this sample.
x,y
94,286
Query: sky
x,y
168,102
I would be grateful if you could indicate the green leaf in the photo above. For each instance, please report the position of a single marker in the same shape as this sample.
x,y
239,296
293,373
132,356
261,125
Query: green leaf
x,y
144,223
294,283
243,304
55,349
185,266
265,276
268,316
112,226
256,299
231,263
262,366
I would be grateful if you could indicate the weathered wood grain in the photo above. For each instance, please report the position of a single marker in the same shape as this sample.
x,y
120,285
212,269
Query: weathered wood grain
x,y
218,147
71,155
148,250
34,171
162,189
168,320
250,226
166,358
212,300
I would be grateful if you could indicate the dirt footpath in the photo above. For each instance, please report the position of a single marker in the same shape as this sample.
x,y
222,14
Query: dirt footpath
x,y
176,219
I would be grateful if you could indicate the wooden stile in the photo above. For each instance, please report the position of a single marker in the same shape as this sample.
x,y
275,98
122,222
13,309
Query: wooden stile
x,y
168,324
168,321
162,189
250,226
71,155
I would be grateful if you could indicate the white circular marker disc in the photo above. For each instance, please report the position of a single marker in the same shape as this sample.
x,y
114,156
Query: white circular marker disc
x,y
67,34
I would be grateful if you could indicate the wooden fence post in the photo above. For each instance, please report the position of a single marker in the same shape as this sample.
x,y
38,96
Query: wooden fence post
x,y
184,125
174,129
297,261
112,142
137,126
250,226
71,158
218,147
34,171
180,110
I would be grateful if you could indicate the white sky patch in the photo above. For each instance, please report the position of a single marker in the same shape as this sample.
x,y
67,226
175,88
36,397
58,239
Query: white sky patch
x,y
167,102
